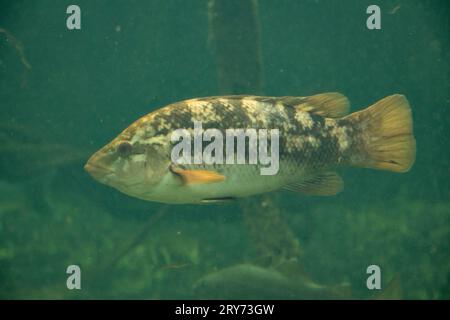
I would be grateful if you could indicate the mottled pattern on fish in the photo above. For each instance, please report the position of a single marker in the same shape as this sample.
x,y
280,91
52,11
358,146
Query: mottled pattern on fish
x,y
308,138
316,135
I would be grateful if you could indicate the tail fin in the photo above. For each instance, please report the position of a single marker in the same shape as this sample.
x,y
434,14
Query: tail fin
x,y
387,135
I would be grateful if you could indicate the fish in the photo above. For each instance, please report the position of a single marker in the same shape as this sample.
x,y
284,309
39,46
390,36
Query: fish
x,y
316,136
248,281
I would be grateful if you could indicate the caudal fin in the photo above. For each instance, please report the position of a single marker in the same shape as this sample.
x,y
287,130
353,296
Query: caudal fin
x,y
386,130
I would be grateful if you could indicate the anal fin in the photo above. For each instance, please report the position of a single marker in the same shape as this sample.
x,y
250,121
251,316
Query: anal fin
x,y
324,184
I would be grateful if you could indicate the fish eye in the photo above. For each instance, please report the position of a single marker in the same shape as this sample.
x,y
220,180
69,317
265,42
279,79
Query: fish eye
x,y
124,149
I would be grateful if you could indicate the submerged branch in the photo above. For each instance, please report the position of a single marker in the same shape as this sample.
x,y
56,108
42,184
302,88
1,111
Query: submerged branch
x,y
17,45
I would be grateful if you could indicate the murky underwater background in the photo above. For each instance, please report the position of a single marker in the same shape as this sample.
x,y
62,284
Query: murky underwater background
x,y
64,94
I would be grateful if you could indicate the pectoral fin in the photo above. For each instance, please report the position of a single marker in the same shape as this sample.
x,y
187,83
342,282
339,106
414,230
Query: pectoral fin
x,y
197,176
325,184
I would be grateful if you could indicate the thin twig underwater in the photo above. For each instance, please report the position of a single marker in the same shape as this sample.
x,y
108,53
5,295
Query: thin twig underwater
x,y
18,46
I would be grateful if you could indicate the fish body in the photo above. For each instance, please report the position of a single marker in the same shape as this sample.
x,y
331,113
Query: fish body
x,y
247,281
315,136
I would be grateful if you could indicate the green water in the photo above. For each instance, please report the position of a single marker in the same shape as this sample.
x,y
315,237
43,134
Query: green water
x,y
65,93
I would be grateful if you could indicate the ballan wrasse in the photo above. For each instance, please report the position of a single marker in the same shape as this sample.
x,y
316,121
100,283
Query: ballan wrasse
x,y
316,136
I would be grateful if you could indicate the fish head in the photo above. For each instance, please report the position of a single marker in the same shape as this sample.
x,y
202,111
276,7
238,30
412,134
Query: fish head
x,y
127,164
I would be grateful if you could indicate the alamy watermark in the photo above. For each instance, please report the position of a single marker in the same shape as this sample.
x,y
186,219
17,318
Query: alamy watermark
x,y
236,147
374,280
74,279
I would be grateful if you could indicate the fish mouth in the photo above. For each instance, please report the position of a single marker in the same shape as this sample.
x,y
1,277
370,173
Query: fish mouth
x,y
96,170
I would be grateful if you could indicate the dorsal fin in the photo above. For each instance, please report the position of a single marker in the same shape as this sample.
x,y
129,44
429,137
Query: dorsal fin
x,y
325,184
330,104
